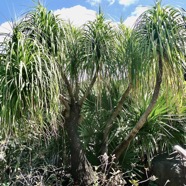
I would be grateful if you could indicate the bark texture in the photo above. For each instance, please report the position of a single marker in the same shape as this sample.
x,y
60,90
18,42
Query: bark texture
x,y
109,122
81,169
123,146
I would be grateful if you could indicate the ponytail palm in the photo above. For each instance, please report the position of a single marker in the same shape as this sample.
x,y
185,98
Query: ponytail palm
x,y
48,68
25,72
86,62
161,34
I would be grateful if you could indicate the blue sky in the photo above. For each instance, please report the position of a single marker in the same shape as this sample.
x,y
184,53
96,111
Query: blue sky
x,y
79,11
10,9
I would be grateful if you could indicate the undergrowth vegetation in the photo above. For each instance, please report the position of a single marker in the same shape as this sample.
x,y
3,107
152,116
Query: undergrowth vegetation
x,y
91,105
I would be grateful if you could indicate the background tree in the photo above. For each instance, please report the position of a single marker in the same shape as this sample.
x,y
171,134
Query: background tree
x,y
161,32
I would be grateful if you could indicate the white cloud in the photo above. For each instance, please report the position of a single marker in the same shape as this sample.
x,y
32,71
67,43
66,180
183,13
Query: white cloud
x,y
134,15
94,2
77,15
139,10
5,28
111,2
127,2
97,2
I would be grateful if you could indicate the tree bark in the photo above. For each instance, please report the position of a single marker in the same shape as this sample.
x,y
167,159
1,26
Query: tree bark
x,y
81,169
109,122
122,147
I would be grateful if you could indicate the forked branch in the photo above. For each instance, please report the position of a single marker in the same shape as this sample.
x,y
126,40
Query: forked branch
x,y
69,88
87,92
64,101
109,122
124,144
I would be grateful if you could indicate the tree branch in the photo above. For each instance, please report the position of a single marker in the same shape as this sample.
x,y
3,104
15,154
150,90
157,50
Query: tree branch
x,y
69,88
64,101
87,92
109,122
180,150
124,144
76,94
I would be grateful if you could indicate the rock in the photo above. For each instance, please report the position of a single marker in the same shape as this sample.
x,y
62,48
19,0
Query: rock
x,y
169,169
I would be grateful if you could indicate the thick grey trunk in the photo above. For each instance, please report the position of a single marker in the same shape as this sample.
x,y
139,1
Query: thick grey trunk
x,y
81,169
122,147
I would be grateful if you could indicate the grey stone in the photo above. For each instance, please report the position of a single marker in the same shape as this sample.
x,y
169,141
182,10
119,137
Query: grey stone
x,y
169,169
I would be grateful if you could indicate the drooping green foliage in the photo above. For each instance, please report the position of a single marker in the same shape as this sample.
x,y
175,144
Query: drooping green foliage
x,y
161,32
47,65
26,71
